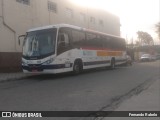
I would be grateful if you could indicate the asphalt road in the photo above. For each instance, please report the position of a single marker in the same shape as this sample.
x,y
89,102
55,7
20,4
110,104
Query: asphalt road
x,y
92,90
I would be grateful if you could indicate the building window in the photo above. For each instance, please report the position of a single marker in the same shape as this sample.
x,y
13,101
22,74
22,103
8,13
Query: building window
x,y
82,17
101,23
69,12
26,2
52,6
92,20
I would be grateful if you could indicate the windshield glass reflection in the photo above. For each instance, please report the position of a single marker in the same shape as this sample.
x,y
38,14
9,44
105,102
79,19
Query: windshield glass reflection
x,y
40,43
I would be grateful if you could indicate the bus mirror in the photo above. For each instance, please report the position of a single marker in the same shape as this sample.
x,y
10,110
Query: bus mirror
x,y
21,37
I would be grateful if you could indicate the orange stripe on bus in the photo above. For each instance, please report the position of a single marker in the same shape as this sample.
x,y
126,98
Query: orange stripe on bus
x,y
109,53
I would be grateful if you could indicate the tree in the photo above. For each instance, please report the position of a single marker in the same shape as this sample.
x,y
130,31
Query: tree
x,y
157,27
145,38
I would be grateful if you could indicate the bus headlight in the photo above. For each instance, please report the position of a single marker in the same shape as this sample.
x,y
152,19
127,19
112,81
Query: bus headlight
x,y
48,61
24,63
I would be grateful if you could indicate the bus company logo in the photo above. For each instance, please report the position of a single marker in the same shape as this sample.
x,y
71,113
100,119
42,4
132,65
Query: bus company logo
x,y
6,114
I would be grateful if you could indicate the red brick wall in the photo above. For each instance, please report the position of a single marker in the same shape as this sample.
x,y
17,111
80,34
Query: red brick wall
x,y
10,62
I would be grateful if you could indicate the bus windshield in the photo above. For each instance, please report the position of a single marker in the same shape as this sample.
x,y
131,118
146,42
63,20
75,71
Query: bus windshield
x,y
40,43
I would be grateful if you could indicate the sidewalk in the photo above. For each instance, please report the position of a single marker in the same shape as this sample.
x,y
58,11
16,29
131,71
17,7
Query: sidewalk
x,y
148,100
12,76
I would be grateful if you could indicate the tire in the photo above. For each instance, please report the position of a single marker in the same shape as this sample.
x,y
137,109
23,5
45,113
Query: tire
x,y
125,64
112,66
128,63
77,68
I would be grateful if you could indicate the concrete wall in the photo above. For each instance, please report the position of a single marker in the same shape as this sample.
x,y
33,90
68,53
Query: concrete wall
x,y
16,18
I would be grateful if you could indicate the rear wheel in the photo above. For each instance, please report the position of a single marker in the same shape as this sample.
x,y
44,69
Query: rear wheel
x,y
112,66
78,67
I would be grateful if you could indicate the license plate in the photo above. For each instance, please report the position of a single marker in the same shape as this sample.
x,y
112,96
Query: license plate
x,y
34,70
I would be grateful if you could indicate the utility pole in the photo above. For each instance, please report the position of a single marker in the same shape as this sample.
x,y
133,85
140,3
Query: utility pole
x,y
126,41
132,45
87,17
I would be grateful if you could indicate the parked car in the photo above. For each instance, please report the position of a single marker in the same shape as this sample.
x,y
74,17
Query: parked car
x,y
146,58
153,57
158,57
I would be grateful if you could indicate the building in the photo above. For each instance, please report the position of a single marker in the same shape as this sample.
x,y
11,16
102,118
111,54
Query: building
x,y
17,16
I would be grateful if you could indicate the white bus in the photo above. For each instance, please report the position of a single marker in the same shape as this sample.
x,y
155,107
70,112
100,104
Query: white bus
x,y
64,48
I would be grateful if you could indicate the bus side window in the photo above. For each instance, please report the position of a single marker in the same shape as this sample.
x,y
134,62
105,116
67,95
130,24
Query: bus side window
x,y
78,38
106,42
63,40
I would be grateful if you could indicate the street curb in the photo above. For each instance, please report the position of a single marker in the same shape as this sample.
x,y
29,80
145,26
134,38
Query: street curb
x,y
14,78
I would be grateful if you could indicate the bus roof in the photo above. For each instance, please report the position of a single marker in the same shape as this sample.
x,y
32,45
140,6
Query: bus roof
x,y
70,26
55,26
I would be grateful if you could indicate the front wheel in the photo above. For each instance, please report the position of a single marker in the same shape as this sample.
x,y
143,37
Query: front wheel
x,y
77,68
112,66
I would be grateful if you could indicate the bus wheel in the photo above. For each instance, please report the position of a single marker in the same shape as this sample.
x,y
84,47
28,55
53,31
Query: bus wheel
x,y
112,66
77,68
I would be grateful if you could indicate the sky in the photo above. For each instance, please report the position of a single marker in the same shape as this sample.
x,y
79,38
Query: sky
x,y
135,15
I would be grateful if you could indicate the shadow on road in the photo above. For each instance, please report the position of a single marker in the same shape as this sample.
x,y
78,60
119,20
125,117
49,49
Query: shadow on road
x,y
59,76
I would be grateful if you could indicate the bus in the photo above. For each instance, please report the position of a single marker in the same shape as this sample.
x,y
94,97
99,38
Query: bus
x,y
65,48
